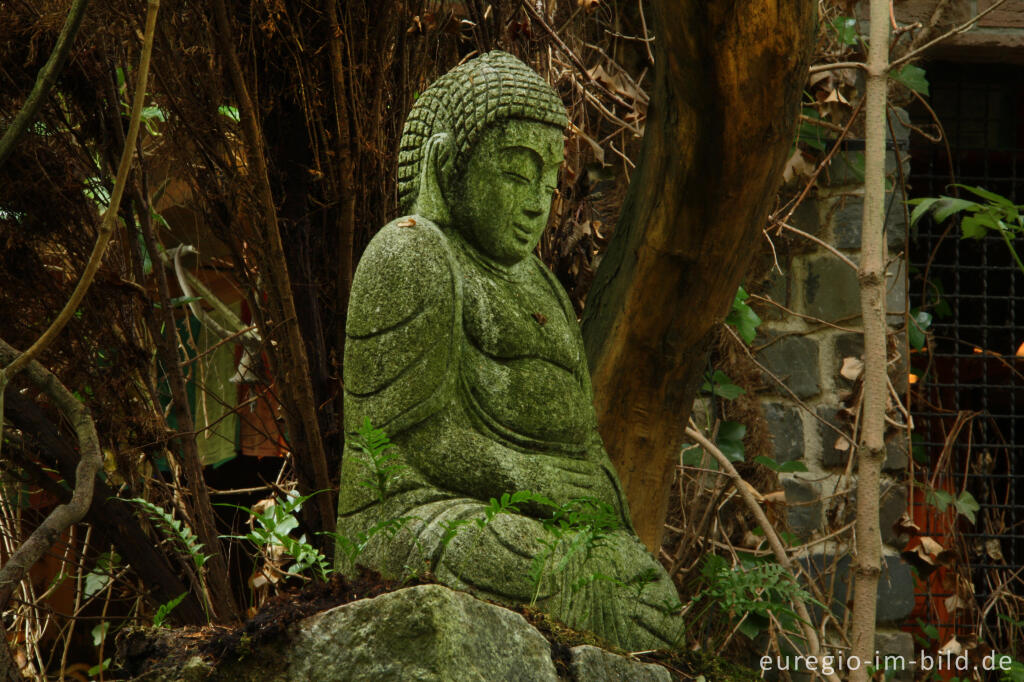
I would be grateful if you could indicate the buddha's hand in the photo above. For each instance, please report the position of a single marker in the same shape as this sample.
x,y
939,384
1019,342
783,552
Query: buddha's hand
x,y
561,480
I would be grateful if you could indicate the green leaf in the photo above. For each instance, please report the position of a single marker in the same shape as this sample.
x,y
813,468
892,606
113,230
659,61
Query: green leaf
x,y
230,112
912,77
967,506
784,468
997,199
721,385
940,499
730,440
917,325
751,627
947,206
743,317
846,29
972,227
921,207
165,609
99,632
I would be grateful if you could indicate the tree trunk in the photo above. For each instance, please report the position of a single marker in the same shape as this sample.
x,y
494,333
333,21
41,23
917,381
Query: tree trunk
x,y
721,123
870,450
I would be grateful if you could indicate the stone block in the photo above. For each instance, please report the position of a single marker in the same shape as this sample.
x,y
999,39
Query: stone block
x,y
591,664
895,585
786,429
892,503
848,215
1007,15
846,346
794,359
896,650
427,632
806,217
896,291
831,456
895,453
776,287
803,505
847,167
831,290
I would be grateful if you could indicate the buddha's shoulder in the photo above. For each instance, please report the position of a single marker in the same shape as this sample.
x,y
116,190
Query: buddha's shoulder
x,y
408,243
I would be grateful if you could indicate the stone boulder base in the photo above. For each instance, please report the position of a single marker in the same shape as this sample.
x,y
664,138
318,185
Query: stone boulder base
x,y
427,632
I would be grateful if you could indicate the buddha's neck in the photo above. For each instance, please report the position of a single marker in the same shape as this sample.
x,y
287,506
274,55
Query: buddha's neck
x,y
508,272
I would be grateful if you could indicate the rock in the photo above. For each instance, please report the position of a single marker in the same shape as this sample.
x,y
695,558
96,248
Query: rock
x,y
427,632
794,360
591,664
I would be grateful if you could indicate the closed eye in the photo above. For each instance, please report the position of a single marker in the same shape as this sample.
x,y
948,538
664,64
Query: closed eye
x,y
517,177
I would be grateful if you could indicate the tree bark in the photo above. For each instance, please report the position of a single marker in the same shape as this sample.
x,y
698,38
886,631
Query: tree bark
x,y
870,450
722,119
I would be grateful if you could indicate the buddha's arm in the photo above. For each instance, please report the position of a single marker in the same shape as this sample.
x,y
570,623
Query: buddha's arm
x,y
462,460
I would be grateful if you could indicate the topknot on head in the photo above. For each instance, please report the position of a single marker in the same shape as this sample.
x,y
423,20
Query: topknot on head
x,y
462,103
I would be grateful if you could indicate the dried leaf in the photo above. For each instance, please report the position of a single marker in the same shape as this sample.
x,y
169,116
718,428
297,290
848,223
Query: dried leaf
x,y
408,222
953,647
842,444
994,550
852,368
931,546
904,525
588,6
954,602
797,167
775,497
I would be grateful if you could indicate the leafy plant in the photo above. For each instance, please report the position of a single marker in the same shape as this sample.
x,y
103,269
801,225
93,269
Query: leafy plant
x,y
964,504
721,385
743,317
373,444
273,527
165,610
175,529
994,213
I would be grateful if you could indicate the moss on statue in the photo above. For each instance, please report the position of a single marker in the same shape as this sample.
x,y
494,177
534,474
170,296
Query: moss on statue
x,y
465,350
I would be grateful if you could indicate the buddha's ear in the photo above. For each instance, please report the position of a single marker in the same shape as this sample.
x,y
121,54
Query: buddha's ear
x,y
434,179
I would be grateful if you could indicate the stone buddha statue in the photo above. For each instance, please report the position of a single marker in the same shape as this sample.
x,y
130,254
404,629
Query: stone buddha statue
x,y
465,350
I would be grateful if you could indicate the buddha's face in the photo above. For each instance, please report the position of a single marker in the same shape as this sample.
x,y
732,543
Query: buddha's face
x,y
501,202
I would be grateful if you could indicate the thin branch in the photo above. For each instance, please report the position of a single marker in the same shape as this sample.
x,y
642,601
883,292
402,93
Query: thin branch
x,y
820,243
818,68
44,81
778,549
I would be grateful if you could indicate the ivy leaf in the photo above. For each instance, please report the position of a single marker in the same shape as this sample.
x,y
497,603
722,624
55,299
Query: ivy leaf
x,y
784,468
912,77
947,206
846,30
721,385
730,440
966,506
743,317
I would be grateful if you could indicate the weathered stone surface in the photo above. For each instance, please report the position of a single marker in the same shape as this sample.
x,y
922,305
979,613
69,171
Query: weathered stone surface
x,y
847,168
895,453
794,359
895,585
428,632
590,664
892,503
831,290
464,349
848,216
787,431
777,289
803,505
832,456
896,650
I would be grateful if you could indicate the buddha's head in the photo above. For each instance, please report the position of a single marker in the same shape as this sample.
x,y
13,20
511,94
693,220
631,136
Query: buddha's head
x,y
480,152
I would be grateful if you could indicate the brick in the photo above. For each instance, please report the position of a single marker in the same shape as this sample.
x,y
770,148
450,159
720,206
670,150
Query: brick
x,y
895,586
831,290
786,429
848,217
794,359
803,505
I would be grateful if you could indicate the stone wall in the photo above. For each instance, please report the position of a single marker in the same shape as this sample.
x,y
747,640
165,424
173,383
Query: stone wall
x,y
815,352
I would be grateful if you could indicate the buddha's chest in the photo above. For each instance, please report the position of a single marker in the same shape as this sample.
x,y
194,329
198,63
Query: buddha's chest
x,y
522,359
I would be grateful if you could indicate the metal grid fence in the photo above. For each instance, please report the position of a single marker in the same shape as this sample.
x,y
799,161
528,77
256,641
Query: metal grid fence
x,y
969,403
